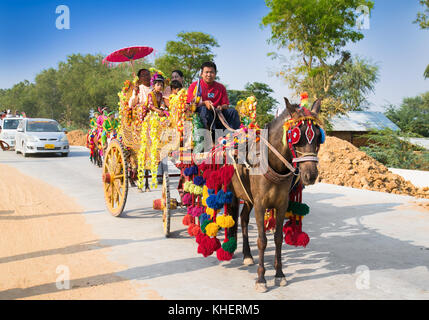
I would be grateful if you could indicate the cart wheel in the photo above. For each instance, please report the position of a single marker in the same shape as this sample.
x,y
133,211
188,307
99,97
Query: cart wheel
x,y
115,178
166,204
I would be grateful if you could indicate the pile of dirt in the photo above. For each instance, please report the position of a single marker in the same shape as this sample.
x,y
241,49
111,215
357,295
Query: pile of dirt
x,y
343,164
77,138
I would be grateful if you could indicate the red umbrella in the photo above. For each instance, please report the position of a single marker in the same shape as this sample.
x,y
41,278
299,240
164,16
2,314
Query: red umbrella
x,y
128,54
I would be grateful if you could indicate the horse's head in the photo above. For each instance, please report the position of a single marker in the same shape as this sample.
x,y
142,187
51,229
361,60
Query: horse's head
x,y
304,136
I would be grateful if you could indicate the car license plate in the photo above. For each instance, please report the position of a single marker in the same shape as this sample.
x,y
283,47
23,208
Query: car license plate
x,y
49,146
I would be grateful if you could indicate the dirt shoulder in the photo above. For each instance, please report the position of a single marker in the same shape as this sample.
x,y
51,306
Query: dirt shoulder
x,y
44,238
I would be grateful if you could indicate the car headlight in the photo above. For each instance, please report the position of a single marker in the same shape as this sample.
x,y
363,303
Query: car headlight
x,y
32,139
64,139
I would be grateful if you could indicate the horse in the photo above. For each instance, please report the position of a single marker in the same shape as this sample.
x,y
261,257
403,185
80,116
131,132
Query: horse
x,y
271,190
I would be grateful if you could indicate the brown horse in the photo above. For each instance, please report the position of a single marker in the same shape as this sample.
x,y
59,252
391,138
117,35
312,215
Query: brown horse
x,y
271,190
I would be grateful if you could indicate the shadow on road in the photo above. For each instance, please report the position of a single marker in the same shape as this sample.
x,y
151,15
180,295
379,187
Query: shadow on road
x,y
339,246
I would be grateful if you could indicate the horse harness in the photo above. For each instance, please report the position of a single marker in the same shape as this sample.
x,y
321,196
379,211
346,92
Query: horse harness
x,y
292,136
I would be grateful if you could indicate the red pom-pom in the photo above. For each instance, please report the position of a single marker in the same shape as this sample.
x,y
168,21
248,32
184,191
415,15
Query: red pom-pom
x,y
223,255
208,245
302,239
214,181
188,219
191,226
200,237
226,174
196,230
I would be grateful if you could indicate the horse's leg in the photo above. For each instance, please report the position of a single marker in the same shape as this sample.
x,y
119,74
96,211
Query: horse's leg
x,y
280,279
245,214
261,283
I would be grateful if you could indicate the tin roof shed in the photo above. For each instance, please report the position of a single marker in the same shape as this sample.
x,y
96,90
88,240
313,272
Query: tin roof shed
x,y
362,121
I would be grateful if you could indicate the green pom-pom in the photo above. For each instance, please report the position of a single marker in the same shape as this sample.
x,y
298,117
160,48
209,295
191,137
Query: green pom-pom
x,y
204,225
230,245
300,209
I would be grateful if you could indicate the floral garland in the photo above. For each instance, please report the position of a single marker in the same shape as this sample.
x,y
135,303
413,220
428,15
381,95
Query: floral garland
x,y
247,111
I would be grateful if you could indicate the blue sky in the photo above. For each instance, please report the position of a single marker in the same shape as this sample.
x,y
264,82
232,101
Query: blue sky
x,y
30,41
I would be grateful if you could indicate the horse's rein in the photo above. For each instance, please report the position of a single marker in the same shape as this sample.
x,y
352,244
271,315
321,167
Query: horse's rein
x,y
306,156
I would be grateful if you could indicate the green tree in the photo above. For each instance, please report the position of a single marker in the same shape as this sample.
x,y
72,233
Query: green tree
x,y
48,94
412,116
423,17
423,21
262,92
394,150
316,32
187,54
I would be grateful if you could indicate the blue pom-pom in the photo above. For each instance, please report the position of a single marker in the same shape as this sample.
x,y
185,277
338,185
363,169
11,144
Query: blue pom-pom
x,y
211,202
194,170
228,197
199,181
220,198
322,136
186,172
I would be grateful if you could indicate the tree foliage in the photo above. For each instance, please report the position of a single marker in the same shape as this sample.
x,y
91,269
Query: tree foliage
x,y
317,31
412,116
394,150
68,93
187,54
423,17
262,92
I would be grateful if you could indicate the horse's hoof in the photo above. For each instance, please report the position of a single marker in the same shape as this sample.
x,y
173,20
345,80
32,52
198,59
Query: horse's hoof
x,y
281,282
261,287
248,261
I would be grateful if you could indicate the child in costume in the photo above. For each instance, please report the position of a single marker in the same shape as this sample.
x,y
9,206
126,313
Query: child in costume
x,y
110,125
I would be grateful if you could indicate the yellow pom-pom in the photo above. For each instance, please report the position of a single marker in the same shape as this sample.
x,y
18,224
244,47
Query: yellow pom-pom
x,y
198,190
289,214
187,185
191,188
212,229
225,221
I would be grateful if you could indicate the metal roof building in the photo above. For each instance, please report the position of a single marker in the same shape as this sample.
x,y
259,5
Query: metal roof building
x,y
362,121
352,126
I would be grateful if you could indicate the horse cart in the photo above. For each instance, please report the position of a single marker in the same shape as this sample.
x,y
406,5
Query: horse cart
x,y
213,184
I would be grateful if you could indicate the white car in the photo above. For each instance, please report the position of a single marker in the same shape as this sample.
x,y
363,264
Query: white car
x,y
41,136
8,130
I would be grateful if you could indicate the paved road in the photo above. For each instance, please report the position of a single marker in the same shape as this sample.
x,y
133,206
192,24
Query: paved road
x,y
364,244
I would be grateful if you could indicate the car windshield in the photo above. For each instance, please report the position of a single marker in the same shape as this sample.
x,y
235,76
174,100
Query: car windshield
x,y
10,124
43,126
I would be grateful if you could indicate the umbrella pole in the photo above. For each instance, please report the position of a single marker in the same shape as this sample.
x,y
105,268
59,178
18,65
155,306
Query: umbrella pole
x,y
132,66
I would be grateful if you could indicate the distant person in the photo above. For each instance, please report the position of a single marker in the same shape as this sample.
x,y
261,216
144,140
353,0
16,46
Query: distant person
x,y
142,88
176,75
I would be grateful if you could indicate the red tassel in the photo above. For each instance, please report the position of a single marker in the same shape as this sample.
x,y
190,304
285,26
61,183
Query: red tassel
x,y
188,219
196,230
208,245
302,239
223,255
190,228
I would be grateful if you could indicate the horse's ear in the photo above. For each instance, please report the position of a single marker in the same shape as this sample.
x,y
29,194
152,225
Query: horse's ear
x,y
316,106
290,108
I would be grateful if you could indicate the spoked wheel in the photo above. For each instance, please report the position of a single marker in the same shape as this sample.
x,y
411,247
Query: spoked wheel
x,y
166,204
115,178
